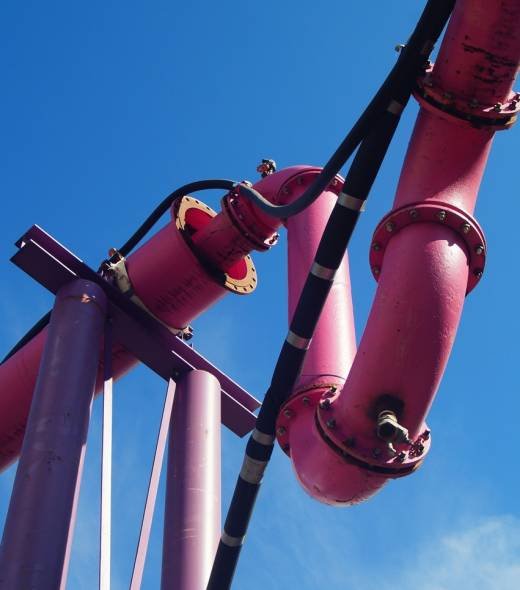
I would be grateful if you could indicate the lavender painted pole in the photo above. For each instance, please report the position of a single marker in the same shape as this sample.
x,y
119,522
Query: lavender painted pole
x,y
37,525
192,514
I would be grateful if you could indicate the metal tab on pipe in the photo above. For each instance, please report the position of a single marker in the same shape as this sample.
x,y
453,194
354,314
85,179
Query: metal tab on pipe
x,y
298,341
350,202
323,272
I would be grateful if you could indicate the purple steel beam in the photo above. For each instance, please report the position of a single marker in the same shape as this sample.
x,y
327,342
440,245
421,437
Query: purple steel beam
x,y
52,265
192,513
37,528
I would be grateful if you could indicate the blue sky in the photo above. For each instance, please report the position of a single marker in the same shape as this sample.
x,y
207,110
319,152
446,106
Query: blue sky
x,y
106,107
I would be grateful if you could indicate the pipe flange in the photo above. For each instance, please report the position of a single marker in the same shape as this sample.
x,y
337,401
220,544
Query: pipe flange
x,y
233,208
305,400
190,215
461,110
303,179
367,450
432,212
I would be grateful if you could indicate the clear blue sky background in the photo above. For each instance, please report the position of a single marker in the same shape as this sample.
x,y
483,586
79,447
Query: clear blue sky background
x,y
108,105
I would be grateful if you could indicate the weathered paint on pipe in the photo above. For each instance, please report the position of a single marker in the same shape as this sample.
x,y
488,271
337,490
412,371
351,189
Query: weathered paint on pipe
x,y
412,325
192,512
37,527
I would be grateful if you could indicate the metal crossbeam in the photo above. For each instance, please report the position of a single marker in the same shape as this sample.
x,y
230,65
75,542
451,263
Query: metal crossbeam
x,y
52,265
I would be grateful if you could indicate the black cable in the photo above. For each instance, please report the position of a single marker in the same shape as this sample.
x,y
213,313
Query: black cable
x,y
34,331
167,202
403,75
331,250
138,235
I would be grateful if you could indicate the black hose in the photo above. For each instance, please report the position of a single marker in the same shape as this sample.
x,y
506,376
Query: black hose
x,y
167,202
34,331
141,232
331,250
412,59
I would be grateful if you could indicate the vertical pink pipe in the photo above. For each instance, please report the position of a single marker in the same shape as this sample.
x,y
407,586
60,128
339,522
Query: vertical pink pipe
x,y
334,343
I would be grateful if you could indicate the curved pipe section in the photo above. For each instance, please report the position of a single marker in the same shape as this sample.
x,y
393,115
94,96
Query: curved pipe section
x,y
344,447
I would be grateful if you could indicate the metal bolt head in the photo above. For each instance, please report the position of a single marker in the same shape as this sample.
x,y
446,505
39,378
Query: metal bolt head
x,y
465,227
479,250
331,423
376,270
477,272
389,226
285,190
325,404
288,413
401,457
299,180
280,431
441,215
266,167
414,214
497,107
306,401
426,435
399,47
376,246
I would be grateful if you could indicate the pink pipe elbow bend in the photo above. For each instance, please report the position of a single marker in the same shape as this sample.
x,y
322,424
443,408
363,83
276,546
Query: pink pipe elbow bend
x,y
426,254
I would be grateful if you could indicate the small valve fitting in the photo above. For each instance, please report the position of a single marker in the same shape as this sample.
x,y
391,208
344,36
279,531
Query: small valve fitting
x,y
389,429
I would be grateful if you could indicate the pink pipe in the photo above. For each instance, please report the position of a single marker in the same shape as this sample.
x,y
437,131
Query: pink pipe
x,y
422,284
334,343
169,274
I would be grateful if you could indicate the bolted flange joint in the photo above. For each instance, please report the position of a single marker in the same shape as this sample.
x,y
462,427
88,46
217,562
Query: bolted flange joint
x,y
303,401
432,212
460,109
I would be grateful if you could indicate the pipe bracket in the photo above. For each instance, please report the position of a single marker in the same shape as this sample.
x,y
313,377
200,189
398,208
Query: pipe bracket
x,y
432,212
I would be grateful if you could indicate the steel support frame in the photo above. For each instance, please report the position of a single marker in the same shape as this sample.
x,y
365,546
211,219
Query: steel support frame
x,y
38,531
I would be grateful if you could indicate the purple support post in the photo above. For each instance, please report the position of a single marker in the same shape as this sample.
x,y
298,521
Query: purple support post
x,y
37,526
192,514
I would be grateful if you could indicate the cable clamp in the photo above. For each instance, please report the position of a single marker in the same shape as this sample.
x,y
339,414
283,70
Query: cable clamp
x,y
116,266
323,272
298,341
261,438
350,202
252,470
231,541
